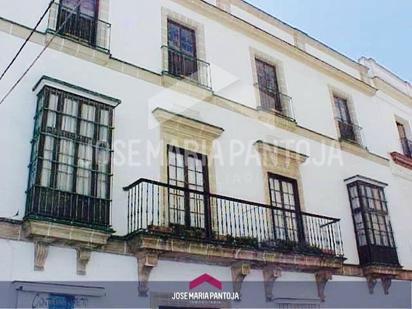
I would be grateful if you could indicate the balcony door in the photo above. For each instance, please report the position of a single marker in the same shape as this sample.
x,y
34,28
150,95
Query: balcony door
x,y
344,119
182,50
268,86
286,218
78,18
188,170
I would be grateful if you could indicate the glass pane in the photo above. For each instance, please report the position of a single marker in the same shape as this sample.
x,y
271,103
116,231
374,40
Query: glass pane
x,y
65,169
84,163
70,111
87,127
47,161
173,36
51,115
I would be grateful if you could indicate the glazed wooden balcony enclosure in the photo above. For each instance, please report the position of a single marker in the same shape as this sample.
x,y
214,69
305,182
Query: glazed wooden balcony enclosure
x,y
160,209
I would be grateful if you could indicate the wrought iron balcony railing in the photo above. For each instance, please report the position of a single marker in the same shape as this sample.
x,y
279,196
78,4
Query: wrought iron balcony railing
x,y
185,66
350,132
59,206
406,147
82,28
275,102
158,208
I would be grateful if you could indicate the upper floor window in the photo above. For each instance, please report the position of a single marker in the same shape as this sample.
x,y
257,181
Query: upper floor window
x,y
372,225
405,142
182,50
70,166
270,97
347,129
79,21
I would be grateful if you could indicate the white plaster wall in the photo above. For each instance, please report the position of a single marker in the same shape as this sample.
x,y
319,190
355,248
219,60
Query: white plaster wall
x,y
324,190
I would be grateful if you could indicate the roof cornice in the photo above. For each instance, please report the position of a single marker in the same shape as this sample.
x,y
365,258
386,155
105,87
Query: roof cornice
x,y
256,33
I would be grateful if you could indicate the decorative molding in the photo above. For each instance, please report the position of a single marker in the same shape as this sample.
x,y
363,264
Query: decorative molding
x,y
270,274
100,58
272,41
322,278
41,250
244,5
205,253
67,87
239,272
83,258
189,134
65,234
185,126
278,160
360,151
365,179
224,5
392,91
146,262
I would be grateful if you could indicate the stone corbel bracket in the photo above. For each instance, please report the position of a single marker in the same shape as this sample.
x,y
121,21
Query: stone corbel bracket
x,y
270,274
384,273
239,272
83,258
146,261
41,250
44,233
373,280
322,278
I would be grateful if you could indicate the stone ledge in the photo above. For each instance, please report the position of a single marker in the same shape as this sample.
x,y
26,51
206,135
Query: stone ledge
x,y
183,250
362,152
51,232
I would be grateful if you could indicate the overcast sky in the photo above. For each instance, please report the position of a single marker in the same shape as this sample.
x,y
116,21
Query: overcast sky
x,y
381,29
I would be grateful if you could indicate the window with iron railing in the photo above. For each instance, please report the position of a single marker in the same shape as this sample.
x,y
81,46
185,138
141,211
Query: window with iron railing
x,y
78,20
373,228
347,129
271,99
70,166
180,56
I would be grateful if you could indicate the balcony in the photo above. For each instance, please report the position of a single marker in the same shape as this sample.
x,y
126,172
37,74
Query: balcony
x,y
81,28
155,208
53,205
350,132
181,65
275,102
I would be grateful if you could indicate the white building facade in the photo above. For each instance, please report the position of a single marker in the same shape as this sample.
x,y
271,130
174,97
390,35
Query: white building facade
x,y
154,142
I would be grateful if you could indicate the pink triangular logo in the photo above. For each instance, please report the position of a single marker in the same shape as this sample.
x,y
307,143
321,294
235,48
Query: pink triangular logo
x,y
205,278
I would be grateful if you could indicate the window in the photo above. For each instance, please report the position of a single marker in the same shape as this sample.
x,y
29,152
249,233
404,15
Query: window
x,y
189,171
71,158
346,128
181,50
371,220
286,216
270,98
78,19
405,142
